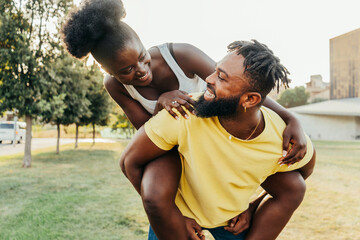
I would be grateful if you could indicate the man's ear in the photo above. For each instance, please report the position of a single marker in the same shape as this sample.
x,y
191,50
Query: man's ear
x,y
251,99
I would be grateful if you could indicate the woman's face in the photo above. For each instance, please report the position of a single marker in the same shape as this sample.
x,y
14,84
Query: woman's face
x,y
131,65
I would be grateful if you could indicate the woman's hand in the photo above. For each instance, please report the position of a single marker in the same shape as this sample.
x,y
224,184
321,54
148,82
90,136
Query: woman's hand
x,y
294,143
239,223
175,99
194,230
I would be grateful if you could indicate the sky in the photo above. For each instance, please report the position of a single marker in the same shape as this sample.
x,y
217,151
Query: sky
x,y
297,31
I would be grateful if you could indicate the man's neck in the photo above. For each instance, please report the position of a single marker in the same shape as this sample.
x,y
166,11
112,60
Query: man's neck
x,y
244,125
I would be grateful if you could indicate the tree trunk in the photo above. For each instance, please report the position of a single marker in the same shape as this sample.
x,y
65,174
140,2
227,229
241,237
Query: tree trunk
x,y
58,139
27,152
93,133
76,135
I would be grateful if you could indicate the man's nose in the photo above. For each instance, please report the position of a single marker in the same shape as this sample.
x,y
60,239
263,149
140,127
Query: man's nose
x,y
210,79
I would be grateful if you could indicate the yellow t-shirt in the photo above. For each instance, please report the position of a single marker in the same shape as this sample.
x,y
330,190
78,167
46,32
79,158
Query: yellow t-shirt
x,y
220,172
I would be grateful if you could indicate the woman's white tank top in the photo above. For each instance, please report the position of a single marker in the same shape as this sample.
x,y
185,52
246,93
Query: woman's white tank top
x,y
195,84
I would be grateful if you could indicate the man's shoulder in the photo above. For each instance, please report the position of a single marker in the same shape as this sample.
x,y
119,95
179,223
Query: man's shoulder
x,y
274,124
272,116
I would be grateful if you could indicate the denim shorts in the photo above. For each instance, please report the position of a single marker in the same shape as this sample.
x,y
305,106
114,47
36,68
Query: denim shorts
x,y
218,233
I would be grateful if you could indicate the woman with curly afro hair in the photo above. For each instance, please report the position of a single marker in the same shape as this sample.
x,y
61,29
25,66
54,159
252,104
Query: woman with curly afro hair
x,y
142,82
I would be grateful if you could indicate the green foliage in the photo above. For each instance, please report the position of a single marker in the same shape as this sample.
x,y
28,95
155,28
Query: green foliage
x,y
36,76
26,47
17,61
293,97
123,124
100,104
65,101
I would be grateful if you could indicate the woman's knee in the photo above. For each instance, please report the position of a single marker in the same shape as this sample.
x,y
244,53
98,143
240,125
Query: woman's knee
x,y
157,199
159,184
288,188
295,191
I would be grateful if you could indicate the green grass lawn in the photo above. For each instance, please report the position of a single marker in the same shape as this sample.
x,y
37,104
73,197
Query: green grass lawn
x,y
331,208
81,194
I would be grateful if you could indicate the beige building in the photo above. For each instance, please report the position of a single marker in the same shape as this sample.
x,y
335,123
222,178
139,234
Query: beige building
x,y
345,65
317,89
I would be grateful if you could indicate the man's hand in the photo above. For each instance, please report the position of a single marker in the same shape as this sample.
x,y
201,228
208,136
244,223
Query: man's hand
x,y
293,136
239,223
194,230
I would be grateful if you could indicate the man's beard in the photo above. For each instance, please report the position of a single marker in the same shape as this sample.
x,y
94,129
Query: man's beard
x,y
220,107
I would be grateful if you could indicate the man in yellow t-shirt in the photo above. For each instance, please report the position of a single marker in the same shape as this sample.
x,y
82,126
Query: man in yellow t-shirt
x,y
229,148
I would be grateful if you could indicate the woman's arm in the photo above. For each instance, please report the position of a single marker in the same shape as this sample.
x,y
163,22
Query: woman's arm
x,y
294,141
132,108
193,61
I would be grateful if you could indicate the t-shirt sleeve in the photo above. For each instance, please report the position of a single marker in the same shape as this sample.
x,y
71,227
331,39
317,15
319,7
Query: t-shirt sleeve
x,y
303,162
163,130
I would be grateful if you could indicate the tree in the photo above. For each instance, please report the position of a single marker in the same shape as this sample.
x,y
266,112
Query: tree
x,y
69,84
100,104
293,97
26,45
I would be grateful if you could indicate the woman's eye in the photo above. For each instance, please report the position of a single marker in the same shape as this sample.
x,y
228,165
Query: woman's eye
x,y
129,69
126,71
143,57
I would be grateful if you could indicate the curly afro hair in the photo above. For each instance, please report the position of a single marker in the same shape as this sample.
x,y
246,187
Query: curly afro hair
x,y
96,23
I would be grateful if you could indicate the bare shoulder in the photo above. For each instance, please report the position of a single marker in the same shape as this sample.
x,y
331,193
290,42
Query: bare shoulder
x,y
112,85
193,60
116,90
154,52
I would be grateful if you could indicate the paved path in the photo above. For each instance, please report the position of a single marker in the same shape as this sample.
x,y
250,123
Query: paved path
x,y
37,143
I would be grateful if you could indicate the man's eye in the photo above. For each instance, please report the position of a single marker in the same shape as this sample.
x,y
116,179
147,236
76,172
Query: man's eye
x,y
220,77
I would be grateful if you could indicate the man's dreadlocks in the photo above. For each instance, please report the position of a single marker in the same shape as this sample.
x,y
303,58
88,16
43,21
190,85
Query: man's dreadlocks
x,y
261,66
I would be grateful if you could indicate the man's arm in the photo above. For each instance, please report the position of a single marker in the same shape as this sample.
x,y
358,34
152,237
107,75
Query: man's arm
x,y
136,155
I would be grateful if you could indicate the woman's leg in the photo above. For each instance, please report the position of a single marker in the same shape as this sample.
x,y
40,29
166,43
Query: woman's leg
x,y
287,190
158,190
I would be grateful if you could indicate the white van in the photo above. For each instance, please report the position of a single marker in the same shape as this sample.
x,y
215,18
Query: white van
x,y
7,131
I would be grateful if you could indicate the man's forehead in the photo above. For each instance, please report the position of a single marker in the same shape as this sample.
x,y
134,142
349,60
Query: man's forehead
x,y
232,64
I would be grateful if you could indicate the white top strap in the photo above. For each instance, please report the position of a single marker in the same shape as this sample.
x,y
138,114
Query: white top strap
x,y
186,84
